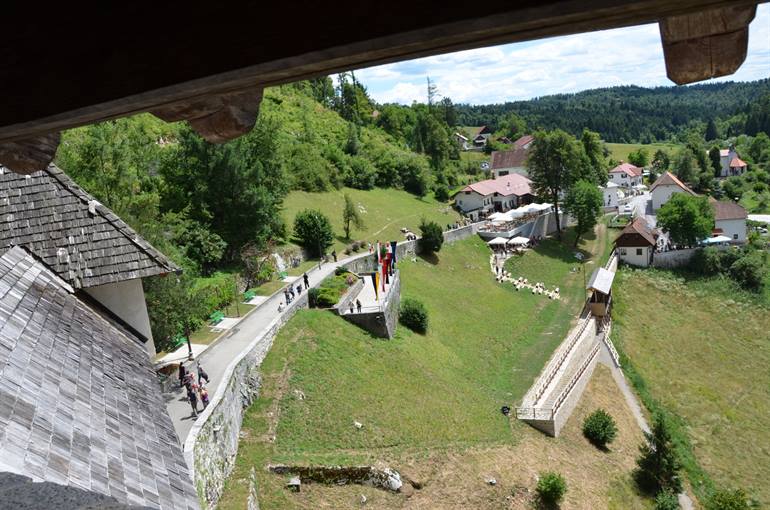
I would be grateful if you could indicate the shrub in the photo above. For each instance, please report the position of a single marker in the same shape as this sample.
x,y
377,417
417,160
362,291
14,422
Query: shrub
x,y
432,237
326,298
666,500
749,271
441,192
312,296
313,231
600,428
728,500
413,315
551,487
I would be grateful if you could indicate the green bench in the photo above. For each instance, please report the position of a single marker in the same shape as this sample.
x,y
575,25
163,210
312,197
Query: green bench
x,y
249,295
179,341
216,317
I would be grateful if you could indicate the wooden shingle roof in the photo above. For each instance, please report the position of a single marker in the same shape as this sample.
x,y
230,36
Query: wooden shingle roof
x,y
82,241
80,404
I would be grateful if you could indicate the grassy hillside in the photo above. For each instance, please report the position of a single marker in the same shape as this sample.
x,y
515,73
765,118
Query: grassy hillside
x,y
384,212
620,151
430,404
703,351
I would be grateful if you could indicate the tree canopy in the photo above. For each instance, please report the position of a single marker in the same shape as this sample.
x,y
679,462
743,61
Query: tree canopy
x,y
584,203
686,218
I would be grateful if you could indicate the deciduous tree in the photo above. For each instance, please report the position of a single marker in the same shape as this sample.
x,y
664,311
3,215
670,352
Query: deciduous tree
x,y
584,203
350,216
686,218
313,230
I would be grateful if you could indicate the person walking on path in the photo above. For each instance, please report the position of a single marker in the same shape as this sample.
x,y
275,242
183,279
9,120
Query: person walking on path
x,y
202,374
307,281
193,398
334,255
351,307
182,373
204,396
286,295
358,305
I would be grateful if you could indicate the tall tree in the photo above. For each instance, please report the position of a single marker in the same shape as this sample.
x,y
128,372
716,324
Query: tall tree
x,y
432,92
350,215
658,465
716,160
686,218
639,157
313,230
553,165
711,131
595,152
512,126
660,164
584,203
684,166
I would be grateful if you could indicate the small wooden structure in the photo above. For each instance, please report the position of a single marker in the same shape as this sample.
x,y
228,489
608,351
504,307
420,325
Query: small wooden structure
x,y
600,286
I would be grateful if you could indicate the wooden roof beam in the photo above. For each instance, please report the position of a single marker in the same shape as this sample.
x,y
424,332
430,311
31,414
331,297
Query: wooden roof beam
x,y
28,156
706,44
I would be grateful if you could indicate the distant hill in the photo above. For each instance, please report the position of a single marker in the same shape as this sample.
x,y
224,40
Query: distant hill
x,y
630,113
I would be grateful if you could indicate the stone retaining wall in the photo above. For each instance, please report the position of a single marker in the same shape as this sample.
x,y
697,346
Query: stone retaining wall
x,y
349,295
212,443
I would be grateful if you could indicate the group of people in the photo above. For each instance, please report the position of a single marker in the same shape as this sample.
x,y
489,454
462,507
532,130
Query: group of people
x,y
358,305
537,288
289,292
196,390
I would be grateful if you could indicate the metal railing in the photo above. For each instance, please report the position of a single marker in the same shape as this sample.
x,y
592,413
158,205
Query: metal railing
x,y
607,326
612,262
556,364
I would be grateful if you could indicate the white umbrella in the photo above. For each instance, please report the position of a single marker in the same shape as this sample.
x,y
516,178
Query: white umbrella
x,y
519,240
498,241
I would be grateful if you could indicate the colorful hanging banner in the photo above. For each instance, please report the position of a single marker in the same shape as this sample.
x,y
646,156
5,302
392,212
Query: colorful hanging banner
x,y
393,248
376,277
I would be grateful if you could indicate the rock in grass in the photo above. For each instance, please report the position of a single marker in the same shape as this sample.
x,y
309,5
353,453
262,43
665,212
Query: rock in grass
x,y
358,425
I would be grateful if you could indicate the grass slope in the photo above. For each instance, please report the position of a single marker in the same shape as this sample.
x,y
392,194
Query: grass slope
x,y
703,352
428,403
387,210
620,151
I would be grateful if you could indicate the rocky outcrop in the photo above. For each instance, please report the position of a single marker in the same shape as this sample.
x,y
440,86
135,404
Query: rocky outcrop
x,y
380,478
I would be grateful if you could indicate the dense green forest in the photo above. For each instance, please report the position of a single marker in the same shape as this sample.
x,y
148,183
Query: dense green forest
x,y
216,209
632,114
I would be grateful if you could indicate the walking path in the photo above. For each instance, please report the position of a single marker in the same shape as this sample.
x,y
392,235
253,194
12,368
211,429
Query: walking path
x,y
216,358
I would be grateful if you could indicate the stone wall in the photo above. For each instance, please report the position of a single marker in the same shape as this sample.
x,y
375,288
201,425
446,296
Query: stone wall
x,y
381,323
212,443
349,295
565,410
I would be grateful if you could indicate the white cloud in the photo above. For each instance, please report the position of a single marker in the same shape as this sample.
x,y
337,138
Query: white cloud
x,y
626,56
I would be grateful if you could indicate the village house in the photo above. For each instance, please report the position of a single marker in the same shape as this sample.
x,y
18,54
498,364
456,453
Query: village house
x,y
82,242
664,187
636,243
729,220
508,162
525,142
626,175
498,195
610,195
462,141
731,163
477,136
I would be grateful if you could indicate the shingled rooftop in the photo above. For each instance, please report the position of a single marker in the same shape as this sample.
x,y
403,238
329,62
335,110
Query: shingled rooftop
x,y
79,403
82,241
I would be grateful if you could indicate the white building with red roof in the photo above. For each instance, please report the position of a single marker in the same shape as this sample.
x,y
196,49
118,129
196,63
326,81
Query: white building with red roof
x,y
667,185
731,163
626,175
502,194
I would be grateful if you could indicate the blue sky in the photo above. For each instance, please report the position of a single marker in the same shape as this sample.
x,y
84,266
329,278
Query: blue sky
x,y
625,56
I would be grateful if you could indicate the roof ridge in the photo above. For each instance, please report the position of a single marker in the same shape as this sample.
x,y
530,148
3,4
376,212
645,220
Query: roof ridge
x,y
132,235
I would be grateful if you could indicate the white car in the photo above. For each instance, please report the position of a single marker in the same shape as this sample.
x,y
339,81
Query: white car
x,y
628,209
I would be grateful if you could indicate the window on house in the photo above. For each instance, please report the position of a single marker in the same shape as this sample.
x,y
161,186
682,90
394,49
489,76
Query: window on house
x,y
735,236
622,176
622,251
639,251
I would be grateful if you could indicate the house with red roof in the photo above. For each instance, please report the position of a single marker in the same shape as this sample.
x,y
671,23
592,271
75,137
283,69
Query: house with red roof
x,y
626,175
524,142
513,161
500,195
636,243
667,185
731,163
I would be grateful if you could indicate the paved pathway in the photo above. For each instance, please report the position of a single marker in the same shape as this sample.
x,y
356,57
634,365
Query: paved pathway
x,y
216,358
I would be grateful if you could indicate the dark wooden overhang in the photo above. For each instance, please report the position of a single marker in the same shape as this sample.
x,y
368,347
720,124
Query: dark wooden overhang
x,y
66,64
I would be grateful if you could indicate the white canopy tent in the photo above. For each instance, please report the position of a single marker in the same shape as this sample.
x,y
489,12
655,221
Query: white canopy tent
x,y
716,240
498,241
518,240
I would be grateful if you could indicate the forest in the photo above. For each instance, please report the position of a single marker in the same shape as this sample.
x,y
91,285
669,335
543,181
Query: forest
x,y
216,209
632,114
